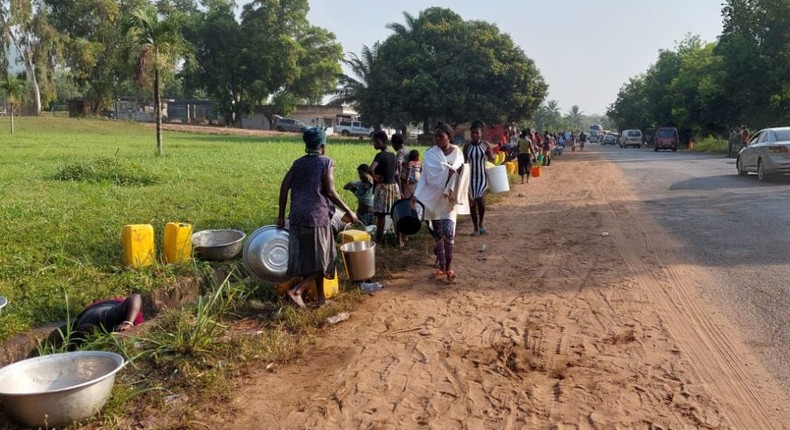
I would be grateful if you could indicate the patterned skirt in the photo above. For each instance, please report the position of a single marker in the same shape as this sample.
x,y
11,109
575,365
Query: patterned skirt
x,y
311,250
384,197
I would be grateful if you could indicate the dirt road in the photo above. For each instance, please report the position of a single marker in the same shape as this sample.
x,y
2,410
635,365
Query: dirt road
x,y
557,324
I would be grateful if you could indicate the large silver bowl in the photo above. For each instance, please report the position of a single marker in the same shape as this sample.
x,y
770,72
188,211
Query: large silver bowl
x,y
266,254
218,245
56,390
3,302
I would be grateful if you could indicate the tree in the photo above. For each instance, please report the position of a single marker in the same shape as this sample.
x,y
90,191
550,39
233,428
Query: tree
x,y
438,67
25,25
155,45
15,91
284,59
352,87
575,117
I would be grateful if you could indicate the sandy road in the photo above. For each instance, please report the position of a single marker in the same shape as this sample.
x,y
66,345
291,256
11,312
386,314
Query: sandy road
x,y
554,325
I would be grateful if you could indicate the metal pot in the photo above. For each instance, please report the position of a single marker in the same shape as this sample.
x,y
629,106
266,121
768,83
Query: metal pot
x,y
360,259
56,390
218,245
3,302
265,254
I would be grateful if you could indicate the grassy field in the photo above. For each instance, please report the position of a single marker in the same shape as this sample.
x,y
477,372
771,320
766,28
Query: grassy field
x,y
62,237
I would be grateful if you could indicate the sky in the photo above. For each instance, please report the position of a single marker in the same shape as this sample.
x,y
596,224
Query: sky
x,y
585,49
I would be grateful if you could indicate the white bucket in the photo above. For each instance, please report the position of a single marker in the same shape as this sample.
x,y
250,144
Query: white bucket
x,y
497,179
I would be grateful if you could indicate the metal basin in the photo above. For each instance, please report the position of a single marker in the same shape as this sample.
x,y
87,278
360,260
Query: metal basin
x,y
56,390
3,302
266,254
218,245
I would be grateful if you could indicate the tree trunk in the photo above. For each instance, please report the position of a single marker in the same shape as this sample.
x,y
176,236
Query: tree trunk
x,y
158,114
12,119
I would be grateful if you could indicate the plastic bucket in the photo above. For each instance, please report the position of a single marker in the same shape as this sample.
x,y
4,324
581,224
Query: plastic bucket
x,y
511,167
407,220
535,171
360,260
497,178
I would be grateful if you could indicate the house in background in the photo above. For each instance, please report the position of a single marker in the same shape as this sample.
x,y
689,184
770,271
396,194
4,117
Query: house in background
x,y
325,116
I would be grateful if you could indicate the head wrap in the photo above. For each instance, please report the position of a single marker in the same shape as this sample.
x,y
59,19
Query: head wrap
x,y
314,138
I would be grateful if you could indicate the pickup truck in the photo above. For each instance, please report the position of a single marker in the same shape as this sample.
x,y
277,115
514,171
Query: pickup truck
x,y
353,128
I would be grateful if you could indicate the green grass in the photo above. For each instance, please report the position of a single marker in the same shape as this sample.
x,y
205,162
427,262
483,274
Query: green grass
x,y
62,236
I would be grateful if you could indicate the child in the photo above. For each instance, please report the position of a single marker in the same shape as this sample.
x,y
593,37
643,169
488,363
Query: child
x,y
411,174
363,191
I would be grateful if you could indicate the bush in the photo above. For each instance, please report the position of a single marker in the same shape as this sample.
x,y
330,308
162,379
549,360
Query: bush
x,y
711,144
113,170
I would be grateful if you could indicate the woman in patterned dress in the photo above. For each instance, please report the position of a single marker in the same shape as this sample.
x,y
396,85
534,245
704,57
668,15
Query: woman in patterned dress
x,y
476,153
311,245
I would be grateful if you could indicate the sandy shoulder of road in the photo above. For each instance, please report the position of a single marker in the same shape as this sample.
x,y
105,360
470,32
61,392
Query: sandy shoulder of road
x,y
555,325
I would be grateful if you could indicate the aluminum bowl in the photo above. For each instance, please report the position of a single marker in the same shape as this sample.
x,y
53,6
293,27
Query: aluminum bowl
x,y
266,254
218,245
56,390
3,302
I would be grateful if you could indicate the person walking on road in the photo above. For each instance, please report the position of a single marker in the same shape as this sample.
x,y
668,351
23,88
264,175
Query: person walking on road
x,y
476,152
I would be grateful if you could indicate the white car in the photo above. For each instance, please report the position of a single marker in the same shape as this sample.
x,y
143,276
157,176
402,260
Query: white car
x,y
631,137
767,154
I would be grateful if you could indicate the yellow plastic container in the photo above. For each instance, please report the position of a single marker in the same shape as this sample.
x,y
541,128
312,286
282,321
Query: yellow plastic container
x,y
347,236
511,167
178,242
331,287
139,249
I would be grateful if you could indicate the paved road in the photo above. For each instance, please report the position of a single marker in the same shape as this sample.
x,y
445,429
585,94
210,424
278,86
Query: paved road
x,y
737,228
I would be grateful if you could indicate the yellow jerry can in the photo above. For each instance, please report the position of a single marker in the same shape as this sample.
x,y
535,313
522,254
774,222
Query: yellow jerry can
x,y
139,249
353,236
511,167
178,242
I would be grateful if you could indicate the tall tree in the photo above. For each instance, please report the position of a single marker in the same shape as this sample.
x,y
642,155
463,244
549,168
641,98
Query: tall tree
x,y
14,90
25,26
575,117
155,45
436,66
352,87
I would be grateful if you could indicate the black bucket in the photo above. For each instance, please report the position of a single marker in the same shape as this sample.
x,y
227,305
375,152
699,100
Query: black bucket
x,y
407,220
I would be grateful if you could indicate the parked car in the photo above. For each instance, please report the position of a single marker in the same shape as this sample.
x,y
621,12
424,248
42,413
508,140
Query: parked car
x,y
609,139
667,138
767,154
288,124
353,128
631,137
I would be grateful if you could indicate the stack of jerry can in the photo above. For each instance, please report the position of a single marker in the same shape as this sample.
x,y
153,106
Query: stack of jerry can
x,y
139,246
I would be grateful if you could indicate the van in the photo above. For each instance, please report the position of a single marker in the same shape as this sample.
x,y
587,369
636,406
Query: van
x,y
667,138
631,137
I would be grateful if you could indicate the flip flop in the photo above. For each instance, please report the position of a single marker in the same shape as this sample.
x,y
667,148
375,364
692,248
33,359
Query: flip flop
x,y
451,277
475,233
483,230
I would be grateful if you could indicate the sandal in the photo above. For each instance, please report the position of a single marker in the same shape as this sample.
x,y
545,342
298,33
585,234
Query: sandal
x,y
475,233
451,277
483,230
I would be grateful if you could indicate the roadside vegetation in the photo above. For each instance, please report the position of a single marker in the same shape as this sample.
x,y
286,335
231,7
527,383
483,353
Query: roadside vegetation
x,y
711,88
73,184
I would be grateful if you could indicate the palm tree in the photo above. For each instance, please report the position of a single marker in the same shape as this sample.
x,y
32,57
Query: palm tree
x,y
352,88
15,91
575,117
154,45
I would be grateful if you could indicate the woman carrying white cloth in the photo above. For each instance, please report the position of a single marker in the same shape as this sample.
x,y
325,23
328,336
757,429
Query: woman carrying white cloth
x,y
442,161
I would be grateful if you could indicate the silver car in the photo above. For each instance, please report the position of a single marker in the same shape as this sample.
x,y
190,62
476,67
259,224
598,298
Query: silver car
x,y
768,153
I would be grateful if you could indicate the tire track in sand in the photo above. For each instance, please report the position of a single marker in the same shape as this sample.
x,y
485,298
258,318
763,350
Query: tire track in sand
x,y
719,360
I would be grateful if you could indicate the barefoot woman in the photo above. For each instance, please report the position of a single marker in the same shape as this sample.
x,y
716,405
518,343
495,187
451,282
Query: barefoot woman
x,y
311,248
